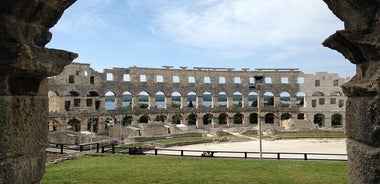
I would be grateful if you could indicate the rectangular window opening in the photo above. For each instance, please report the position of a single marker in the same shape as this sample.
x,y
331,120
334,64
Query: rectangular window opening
x,y
284,80
237,80
207,80
321,101
268,80
159,78
222,80
71,79
191,79
109,77
317,83
175,79
92,80
89,102
143,78
126,78
76,102
300,80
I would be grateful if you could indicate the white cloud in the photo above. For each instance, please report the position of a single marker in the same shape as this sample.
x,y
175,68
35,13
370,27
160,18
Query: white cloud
x,y
230,25
85,17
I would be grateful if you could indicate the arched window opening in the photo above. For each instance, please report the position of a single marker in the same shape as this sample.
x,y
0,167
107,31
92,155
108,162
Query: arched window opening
x,y
301,99
74,125
285,99
176,119
176,100
192,119
336,120
72,93
127,99
223,119
252,99
160,118
269,118
318,94
222,99
206,99
285,116
127,120
319,119
237,99
268,99
144,119
160,100
110,100
93,94
238,118
143,100
191,99
336,93
207,119
253,118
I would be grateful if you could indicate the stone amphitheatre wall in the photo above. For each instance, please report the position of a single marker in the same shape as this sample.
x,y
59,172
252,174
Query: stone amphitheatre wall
x,y
79,95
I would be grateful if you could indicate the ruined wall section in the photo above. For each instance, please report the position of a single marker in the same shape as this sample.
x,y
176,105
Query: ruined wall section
x,y
324,95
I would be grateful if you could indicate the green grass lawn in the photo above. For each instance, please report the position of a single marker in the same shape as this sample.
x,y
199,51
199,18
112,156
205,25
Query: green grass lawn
x,y
160,169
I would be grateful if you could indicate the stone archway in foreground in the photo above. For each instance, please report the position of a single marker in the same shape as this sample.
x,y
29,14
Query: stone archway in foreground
x,y
25,63
360,43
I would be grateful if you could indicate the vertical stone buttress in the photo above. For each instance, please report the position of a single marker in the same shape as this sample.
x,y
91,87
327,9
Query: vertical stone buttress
x,y
25,64
360,43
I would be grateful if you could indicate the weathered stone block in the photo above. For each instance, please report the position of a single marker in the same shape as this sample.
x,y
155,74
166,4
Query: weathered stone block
x,y
364,163
363,122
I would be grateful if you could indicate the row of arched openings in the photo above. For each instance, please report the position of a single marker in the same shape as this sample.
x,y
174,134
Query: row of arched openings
x,y
92,124
222,99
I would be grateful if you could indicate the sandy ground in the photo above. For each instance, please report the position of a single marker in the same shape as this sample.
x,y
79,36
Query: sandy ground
x,y
325,146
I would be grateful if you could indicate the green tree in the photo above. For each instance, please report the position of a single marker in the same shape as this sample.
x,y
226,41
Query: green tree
x,y
176,119
127,120
192,119
336,120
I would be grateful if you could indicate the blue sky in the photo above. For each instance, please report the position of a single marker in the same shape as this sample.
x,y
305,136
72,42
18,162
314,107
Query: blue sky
x,y
202,33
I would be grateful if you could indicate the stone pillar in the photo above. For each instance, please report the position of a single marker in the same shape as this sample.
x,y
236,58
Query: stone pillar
x,y
199,101
135,102
152,102
25,64
168,101
118,101
215,121
293,101
214,101
360,44
246,120
183,102
230,102
277,101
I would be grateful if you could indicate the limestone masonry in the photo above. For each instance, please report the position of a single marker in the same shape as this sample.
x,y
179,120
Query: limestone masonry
x,y
136,99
